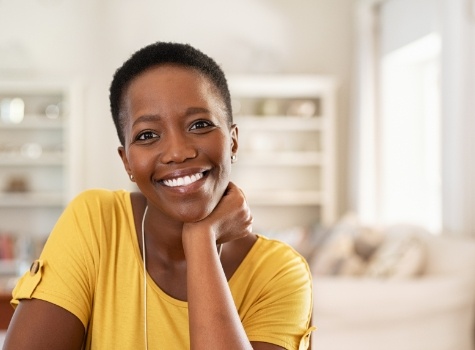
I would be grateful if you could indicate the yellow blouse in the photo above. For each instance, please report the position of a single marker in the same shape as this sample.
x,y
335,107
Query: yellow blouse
x,y
91,266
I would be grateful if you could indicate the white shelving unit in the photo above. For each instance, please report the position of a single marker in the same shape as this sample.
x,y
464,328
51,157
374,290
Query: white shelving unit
x,y
286,159
39,157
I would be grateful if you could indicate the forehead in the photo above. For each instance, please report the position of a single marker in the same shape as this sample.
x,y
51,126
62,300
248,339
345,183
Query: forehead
x,y
170,84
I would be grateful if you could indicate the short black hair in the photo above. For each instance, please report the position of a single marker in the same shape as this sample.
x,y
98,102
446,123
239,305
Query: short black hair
x,y
161,53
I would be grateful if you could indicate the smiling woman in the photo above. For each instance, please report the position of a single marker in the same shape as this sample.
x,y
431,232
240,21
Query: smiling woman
x,y
175,265
179,130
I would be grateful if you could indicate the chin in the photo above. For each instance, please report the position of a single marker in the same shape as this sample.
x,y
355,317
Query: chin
x,y
194,214
192,218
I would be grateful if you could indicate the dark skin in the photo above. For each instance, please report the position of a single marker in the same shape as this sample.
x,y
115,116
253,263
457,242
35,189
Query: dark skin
x,y
178,130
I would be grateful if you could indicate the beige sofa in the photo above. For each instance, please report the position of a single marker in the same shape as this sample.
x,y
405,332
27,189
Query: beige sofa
x,y
434,311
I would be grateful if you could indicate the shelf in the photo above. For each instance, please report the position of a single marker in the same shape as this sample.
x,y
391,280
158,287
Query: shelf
x,y
44,160
280,86
9,271
8,267
279,123
284,198
37,122
284,158
40,161
31,199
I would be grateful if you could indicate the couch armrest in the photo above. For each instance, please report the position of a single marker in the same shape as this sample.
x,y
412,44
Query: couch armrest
x,y
356,299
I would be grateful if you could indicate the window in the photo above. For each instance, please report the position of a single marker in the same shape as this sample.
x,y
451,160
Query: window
x,y
409,135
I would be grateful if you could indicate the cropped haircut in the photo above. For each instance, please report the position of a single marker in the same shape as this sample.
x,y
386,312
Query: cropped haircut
x,y
161,53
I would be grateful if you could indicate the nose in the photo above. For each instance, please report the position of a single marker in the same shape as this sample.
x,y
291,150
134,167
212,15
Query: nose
x,y
176,148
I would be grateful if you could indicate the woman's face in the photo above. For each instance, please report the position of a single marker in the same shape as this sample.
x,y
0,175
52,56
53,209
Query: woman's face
x,y
178,143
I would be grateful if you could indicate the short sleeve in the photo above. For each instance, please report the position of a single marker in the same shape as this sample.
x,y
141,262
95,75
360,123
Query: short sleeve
x,y
279,298
64,273
28,283
305,340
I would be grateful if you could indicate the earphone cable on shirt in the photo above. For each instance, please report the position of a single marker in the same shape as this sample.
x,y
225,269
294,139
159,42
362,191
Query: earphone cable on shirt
x,y
144,279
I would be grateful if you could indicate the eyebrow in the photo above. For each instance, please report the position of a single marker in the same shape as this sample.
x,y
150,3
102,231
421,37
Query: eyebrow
x,y
156,117
146,118
196,110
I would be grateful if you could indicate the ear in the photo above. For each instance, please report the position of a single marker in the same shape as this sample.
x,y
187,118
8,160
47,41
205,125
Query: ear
x,y
234,139
125,161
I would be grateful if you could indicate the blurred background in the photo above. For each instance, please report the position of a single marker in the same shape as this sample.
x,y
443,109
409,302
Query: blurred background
x,y
357,127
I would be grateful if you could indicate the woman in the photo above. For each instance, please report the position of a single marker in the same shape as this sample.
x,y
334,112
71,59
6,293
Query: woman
x,y
210,283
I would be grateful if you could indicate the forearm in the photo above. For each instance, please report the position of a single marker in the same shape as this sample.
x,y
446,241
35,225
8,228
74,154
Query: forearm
x,y
214,321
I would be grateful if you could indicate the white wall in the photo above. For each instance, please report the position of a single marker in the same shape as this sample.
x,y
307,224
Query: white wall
x,y
405,21
87,40
48,40
458,92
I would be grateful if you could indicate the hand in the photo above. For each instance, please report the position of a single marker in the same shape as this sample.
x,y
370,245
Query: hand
x,y
230,220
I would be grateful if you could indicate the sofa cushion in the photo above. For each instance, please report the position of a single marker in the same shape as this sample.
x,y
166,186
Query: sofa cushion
x,y
401,255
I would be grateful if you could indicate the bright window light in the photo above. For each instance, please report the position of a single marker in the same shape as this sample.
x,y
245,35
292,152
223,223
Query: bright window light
x,y
410,153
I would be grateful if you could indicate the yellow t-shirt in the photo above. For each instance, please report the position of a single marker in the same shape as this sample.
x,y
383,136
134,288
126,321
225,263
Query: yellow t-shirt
x,y
91,266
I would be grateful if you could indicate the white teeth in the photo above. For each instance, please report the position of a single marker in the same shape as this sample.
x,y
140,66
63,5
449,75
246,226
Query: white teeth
x,y
183,181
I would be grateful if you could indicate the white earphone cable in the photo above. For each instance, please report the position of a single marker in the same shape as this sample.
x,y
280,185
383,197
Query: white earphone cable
x,y
144,278
220,249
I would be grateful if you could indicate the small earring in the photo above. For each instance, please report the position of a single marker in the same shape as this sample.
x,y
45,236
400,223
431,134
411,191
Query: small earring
x,y
132,177
233,158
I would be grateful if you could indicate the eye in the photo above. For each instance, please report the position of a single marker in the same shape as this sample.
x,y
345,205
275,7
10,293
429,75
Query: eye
x,y
146,135
201,124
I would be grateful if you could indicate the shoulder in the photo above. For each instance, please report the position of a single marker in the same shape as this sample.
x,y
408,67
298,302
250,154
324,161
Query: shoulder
x,y
100,194
97,207
93,218
100,198
275,249
277,260
274,293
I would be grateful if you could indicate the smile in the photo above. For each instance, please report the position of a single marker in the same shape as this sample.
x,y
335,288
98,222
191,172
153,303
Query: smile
x,y
183,181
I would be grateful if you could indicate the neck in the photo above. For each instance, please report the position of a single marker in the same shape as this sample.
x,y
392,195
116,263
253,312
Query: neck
x,y
161,232
164,247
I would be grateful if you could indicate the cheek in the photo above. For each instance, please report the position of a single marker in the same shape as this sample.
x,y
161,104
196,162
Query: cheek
x,y
140,163
220,152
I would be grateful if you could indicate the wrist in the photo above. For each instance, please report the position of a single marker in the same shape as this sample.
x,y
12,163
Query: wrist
x,y
197,240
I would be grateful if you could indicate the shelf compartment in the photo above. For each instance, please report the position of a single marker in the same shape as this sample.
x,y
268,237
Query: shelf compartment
x,y
277,179
284,198
280,86
286,158
31,199
276,159
8,267
35,121
267,123
44,160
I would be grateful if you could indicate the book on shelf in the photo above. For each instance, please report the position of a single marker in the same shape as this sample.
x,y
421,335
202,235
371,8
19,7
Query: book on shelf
x,y
7,246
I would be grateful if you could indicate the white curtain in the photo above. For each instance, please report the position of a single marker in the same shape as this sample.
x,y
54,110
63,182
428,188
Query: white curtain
x,y
458,110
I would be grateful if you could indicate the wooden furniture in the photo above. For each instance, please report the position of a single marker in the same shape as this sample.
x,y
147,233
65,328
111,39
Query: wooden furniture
x,y
6,310
286,158
38,163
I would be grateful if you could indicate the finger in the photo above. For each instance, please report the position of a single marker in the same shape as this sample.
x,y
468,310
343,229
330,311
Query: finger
x,y
233,187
